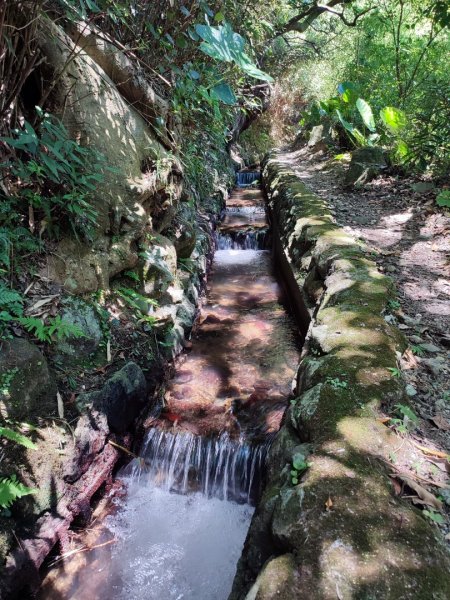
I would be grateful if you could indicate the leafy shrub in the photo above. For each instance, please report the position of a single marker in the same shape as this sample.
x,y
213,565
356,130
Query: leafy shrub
x,y
10,487
11,311
53,175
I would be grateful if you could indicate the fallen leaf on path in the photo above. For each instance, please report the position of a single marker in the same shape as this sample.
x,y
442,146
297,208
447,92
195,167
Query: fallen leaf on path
x,y
427,497
441,422
431,451
329,503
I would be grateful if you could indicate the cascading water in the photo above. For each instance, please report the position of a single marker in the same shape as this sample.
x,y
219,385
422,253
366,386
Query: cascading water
x,y
180,530
217,467
245,178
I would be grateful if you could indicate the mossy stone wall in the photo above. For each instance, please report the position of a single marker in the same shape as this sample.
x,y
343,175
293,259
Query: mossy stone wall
x,y
341,532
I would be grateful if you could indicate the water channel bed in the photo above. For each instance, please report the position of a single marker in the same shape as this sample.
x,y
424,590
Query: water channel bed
x,y
179,529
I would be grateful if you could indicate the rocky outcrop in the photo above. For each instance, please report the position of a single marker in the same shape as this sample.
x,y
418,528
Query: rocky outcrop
x,y
27,386
366,163
120,399
340,532
142,182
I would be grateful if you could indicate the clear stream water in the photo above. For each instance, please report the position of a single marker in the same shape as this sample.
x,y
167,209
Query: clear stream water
x,y
180,528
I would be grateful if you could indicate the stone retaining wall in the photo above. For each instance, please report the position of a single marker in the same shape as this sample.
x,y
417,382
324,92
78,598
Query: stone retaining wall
x,y
341,533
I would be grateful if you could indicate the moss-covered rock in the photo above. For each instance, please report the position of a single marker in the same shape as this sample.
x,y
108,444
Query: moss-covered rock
x,y
341,532
27,388
72,350
121,398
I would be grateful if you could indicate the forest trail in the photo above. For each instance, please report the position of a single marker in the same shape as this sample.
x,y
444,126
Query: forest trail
x,y
410,240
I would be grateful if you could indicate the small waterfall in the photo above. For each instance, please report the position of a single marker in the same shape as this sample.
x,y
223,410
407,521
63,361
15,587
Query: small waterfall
x,y
245,178
243,240
216,467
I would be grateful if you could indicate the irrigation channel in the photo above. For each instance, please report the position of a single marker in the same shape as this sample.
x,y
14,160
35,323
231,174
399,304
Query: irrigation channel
x,y
179,530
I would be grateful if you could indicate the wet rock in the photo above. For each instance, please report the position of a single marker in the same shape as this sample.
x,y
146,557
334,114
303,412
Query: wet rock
x,y
366,164
73,350
89,439
28,388
121,398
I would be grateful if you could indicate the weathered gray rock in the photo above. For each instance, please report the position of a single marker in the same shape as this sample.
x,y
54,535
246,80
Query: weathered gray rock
x,y
277,581
319,137
366,163
121,398
160,265
27,387
182,231
73,350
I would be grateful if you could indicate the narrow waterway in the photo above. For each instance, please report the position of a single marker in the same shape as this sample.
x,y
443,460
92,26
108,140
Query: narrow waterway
x,y
178,531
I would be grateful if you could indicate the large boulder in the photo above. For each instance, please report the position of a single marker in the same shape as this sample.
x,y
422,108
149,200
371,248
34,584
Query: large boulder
x,y
366,163
143,181
121,398
27,387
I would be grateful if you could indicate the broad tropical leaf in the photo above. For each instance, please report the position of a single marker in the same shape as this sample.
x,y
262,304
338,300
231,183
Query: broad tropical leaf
x,y
393,118
224,93
366,114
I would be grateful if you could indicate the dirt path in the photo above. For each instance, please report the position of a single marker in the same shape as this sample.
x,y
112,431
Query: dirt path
x,y
411,241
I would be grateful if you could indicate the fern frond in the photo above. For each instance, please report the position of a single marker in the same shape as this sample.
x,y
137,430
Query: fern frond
x,y
63,329
12,435
11,490
11,301
36,327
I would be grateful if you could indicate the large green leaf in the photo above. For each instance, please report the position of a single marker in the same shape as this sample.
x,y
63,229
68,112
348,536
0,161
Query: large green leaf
x,y
354,131
224,44
348,92
393,118
224,93
366,114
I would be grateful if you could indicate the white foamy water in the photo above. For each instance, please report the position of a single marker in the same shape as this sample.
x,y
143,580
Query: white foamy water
x,y
173,547
240,257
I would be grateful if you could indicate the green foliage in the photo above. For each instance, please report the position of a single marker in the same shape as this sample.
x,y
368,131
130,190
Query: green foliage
x,y
53,175
299,466
393,119
18,438
408,420
11,490
11,312
395,372
224,44
139,304
443,198
336,383
434,516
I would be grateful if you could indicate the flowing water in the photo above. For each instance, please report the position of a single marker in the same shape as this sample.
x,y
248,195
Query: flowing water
x,y
179,530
